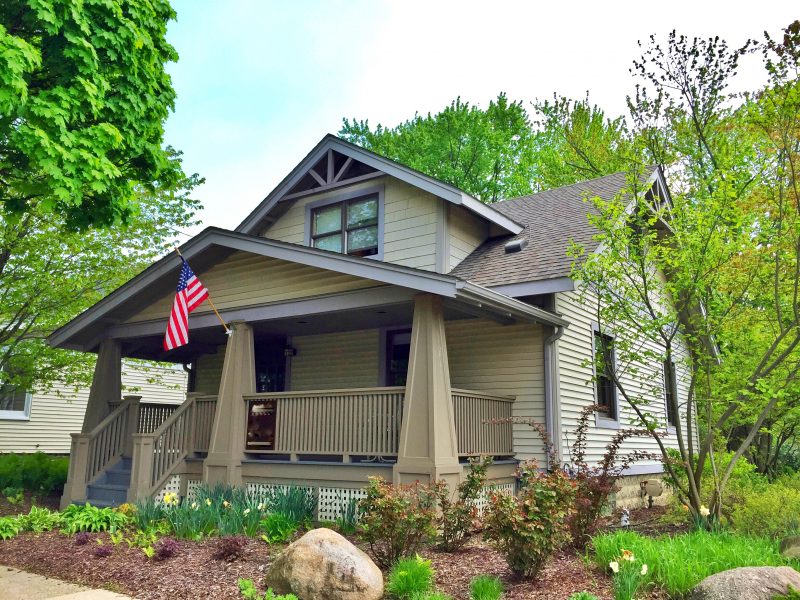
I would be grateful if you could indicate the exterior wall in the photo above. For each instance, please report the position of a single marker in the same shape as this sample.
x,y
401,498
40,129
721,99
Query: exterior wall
x,y
506,360
574,352
243,279
465,232
57,413
411,219
348,359
209,372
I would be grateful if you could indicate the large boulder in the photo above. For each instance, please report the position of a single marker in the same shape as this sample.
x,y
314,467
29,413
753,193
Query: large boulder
x,y
322,565
790,546
753,583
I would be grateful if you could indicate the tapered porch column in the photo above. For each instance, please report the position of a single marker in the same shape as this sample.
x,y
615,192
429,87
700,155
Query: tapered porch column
x,y
226,450
428,449
106,383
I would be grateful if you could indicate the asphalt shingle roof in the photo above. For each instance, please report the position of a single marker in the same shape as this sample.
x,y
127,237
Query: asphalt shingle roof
x,y
552,219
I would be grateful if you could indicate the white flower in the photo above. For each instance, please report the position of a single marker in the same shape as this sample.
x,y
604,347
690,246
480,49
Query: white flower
x,y
208,501
614,566
704,511
260,507
246,512
628,555
644,570
194,505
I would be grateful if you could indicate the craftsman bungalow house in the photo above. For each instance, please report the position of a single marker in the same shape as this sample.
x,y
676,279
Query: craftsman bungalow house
x,y
379,319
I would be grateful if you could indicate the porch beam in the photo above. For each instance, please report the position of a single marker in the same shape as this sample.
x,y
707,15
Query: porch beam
x,y
226,450
428,449
106,383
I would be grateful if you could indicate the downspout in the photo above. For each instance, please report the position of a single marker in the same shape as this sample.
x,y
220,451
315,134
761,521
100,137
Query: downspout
x,y
551,390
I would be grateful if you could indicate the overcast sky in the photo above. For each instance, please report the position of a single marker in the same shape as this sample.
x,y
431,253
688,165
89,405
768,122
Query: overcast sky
x,y
260,82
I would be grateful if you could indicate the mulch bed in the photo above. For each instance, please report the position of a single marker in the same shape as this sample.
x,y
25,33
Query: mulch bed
x,y
46,501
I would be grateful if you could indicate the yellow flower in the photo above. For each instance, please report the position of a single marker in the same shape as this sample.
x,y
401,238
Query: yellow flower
x,y
225,503
704,511
260,507
628,555
644,570
208,501
170,498
614,566
246,512
194,505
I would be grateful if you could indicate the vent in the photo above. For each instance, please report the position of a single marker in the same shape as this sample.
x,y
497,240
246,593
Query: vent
x,y
515,245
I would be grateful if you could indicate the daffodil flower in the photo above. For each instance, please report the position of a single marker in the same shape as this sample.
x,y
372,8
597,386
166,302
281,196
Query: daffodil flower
x,y
260,507
644,570
628,555
614,565
704,511
194,505
225,503
208,501
246,512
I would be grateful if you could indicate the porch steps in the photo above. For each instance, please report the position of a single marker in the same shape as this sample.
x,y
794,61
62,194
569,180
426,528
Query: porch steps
x,y
111,488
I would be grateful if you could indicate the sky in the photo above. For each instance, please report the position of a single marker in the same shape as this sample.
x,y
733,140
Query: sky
x,y
260,82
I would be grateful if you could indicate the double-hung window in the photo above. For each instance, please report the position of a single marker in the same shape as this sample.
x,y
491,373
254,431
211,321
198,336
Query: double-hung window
x,y
15,403
671,393
605,390
350,226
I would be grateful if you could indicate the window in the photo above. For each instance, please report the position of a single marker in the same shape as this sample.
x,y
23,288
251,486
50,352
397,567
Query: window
x,y
605,391
671,393
350,226
15,403
398,351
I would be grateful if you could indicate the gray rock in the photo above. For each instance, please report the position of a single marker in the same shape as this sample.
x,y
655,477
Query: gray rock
x,y
752,583
790,546
323,565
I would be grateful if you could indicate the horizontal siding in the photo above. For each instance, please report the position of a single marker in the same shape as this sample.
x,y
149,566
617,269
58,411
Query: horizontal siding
x,y
577,389
209,372
505,360
331,361
410,221
465,232
244,279
57,413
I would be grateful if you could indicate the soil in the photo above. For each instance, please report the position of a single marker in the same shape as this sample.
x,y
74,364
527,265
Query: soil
x,y
647,521
42,500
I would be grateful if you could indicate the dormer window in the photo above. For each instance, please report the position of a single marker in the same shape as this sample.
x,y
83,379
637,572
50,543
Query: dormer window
x,y
349,226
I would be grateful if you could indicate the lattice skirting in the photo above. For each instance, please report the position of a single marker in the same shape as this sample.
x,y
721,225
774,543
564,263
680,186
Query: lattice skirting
x,y
332,503
191,489
483,499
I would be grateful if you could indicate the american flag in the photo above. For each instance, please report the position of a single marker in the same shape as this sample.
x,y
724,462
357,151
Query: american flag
x,y
191,294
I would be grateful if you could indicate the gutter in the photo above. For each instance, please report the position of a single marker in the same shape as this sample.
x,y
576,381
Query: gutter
x,y
485,298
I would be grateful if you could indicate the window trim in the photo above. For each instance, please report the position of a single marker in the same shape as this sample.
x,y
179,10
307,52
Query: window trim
x,y
671,427
346,197
600,420
19,415
383,347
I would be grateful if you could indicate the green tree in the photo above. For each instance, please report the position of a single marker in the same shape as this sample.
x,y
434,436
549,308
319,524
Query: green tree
x,y
83,99
49,274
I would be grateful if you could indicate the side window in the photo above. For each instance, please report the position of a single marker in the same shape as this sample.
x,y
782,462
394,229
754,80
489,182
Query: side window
x,y
671,392
398,350
350,226
605,391
15,403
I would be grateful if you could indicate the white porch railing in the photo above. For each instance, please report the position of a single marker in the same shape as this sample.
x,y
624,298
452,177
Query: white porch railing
x,y
483,423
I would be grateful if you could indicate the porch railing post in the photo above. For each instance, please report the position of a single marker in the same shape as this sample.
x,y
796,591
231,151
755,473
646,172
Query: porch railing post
x,y
75,487
141,466
132,424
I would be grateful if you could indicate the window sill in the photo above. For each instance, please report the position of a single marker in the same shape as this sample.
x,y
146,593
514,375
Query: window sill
x,y
604,423
10,416
670,430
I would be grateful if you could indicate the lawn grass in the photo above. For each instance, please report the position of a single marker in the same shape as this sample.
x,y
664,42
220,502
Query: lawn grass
x,y
678,563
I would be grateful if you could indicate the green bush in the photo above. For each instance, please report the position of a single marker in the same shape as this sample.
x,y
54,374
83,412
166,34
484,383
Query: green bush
x,y
456,517
277,528
396,520
527,529
410,578
39,520
9,527
677,564
91,518
36,472
484,587
774,512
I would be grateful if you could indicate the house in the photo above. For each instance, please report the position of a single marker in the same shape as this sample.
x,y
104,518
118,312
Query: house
x,y
380,318
41,420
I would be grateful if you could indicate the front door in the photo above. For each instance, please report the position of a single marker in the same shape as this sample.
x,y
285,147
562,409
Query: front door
x,y
270,377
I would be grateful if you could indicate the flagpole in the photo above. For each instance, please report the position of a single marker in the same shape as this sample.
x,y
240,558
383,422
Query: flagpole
x,y
211,302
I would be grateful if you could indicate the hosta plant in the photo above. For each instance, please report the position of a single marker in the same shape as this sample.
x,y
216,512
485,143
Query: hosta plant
x,y
9,527
91,518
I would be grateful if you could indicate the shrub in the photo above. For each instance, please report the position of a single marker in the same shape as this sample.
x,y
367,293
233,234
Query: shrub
x,y
82,538
396,520
165,548
410,578
278,528
91,518
103,551
773,512
678,563
230,548
456,518
583,596
528,528
36,472
249,591
484,587
39,520
14,495
9,527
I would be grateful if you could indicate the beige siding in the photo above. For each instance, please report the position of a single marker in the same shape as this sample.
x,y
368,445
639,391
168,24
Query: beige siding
x,y
506,360
336,360
209,372
245,280
465,232
410,222
577,390
57,413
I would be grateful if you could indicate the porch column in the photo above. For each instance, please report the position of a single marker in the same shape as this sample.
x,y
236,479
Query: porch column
x,y
226,449
106,383
428,449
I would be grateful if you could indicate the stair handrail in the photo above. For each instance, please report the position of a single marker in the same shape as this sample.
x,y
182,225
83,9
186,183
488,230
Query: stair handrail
x,y
115,423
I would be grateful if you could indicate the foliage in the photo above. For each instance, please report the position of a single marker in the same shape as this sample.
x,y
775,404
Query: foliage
x,y
9,527
165,548
484,587
35,472
792,594
774,512
82,538
13,495
347,521
230,547
396,520
39,520
84,96
629,575
277,528
249,591
678,563
91,518
410,577
583,596
526,529
296,502
103,551
148,512
456,518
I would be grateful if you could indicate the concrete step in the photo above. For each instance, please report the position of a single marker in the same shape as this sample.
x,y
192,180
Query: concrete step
x,y
106,492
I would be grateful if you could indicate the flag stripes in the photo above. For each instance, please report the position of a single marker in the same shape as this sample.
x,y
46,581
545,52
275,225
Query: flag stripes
x,y
191,293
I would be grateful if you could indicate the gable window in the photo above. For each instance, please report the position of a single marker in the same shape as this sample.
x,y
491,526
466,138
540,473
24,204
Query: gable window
x,y
671,393
349,226
605,390
15,403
